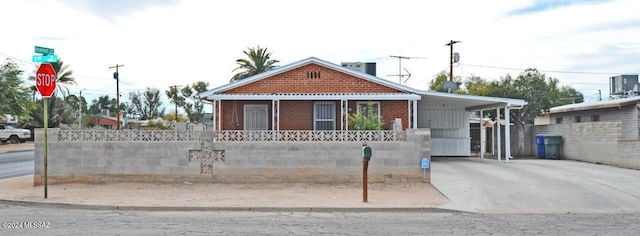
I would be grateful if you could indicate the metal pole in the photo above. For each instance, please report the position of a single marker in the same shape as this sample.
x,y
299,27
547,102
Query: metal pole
x,y
46,124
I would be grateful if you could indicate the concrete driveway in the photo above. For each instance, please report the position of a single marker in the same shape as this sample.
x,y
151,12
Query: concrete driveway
x,y
535,186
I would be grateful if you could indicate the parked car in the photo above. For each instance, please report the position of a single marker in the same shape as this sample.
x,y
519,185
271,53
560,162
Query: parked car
x,y
13,135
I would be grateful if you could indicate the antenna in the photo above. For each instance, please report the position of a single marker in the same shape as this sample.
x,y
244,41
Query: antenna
x,y
400,75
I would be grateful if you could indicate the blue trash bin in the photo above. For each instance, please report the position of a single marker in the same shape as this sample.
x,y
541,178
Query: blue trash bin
x,y
540,145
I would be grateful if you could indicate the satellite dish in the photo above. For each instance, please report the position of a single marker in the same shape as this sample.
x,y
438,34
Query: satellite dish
x,y
450,86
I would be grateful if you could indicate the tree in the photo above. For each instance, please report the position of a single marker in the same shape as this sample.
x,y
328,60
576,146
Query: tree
x,y
194,106
147,104
58,114
258,60
103,102
14,95
540,93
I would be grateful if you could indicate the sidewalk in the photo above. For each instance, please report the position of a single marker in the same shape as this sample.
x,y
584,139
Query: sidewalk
x,y
208,196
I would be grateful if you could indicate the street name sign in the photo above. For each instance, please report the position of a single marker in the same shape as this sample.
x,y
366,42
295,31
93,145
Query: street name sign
x,y
44,58
43,50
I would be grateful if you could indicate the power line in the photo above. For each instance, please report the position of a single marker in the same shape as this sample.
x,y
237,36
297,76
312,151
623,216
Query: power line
x,y
551,71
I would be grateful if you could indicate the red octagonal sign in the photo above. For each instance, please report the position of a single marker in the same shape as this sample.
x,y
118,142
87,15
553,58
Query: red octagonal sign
x,y
46,80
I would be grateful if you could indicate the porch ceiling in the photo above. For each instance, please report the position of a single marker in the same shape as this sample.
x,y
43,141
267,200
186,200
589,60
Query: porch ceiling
x,y
470,102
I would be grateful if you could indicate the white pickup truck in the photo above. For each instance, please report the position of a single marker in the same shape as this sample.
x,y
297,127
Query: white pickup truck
x,y
13,135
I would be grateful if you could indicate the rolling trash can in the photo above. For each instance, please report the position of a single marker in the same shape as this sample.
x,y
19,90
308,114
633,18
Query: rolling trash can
x,y
552,146
540,145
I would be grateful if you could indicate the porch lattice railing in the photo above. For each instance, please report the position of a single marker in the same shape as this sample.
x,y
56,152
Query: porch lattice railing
x,y
229,136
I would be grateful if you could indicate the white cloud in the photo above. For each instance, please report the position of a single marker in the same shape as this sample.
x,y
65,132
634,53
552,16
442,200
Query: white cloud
x,y
168,42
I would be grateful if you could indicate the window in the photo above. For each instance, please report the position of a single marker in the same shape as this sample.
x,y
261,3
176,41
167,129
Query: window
x,y
558,120
365,109
256,117
577,118
324,116
595,117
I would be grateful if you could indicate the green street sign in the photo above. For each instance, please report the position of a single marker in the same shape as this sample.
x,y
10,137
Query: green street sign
x,y
44,51
45,58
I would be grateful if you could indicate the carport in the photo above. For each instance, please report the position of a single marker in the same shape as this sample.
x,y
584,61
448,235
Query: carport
x,y
447,115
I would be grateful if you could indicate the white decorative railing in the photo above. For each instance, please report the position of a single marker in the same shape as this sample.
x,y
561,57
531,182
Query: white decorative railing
x,y
127,135
230,136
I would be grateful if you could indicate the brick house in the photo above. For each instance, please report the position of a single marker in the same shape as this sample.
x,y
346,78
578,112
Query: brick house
x,y
309,94
106,122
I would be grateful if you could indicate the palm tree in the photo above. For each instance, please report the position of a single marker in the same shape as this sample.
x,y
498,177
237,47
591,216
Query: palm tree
x,y
65,77
258,61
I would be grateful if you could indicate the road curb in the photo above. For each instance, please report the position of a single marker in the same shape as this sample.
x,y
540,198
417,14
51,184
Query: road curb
x,y
237,209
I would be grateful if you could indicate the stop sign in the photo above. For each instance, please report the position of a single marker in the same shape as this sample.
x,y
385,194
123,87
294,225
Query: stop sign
x,y
46,80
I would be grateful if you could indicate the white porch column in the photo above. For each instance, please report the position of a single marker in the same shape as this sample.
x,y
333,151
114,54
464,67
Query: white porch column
x,y
344,114
414,112
499,135
507,134
219,114
213,115
275,113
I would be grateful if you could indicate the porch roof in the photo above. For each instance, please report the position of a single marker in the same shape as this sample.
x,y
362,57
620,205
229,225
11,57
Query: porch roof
x,y
316,96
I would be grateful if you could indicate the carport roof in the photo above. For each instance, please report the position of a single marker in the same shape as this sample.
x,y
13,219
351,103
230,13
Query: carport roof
x,y
472,102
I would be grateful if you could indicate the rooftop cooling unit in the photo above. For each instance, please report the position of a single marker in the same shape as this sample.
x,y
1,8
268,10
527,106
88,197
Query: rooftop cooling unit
x,y
621,84
364,67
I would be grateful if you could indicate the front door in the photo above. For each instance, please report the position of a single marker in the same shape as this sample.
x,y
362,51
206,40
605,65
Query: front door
x,y
256,117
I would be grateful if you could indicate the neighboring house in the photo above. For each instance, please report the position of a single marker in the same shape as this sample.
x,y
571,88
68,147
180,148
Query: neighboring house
x,y
313,94
602,132
106,122
623,110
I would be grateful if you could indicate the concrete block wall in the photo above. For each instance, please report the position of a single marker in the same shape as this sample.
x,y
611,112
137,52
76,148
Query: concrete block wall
x,y
596,142
244,162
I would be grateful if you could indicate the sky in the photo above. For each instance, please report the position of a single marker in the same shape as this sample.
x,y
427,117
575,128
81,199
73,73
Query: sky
x,y
162,43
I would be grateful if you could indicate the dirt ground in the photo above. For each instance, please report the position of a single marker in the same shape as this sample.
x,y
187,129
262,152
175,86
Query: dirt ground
x,y
397,195
10,147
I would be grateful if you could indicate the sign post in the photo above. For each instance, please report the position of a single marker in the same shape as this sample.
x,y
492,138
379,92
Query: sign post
x,y
46,84
366,156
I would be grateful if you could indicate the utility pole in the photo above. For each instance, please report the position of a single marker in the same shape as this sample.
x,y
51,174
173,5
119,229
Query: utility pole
x,y
400,75
116,76
450,44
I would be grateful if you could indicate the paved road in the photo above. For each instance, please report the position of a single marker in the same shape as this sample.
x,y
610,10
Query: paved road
x,y
14,164
536,186
99,222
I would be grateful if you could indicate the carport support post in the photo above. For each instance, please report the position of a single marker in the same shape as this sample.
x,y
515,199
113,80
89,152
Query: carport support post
x,y
499,134
507,134
482,135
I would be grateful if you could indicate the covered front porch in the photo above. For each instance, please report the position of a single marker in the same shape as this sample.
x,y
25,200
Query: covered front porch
x,y
310,112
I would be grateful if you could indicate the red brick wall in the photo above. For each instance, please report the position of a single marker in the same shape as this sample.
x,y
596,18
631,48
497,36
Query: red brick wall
x,y
298,115
296,81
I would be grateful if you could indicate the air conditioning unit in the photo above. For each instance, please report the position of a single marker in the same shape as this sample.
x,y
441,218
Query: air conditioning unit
x,y
364,67
621,84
